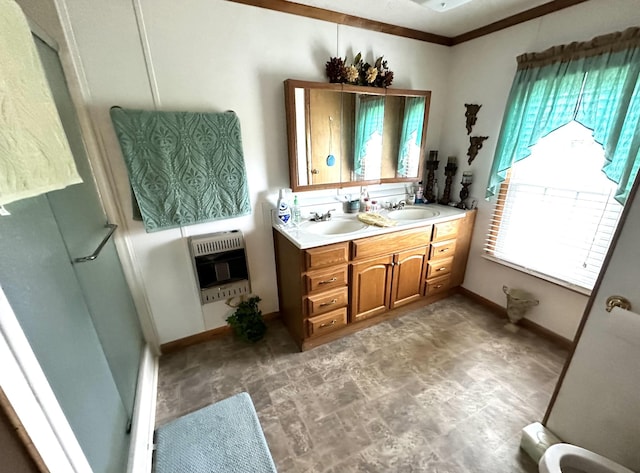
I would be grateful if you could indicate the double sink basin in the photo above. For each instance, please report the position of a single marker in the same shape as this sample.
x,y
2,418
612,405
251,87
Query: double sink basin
x,y
344,225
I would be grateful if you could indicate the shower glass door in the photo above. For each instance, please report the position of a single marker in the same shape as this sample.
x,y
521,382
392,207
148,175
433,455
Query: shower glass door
x,y
81,220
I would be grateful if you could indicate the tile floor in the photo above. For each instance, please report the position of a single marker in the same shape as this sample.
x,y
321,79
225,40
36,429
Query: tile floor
x,y
444,388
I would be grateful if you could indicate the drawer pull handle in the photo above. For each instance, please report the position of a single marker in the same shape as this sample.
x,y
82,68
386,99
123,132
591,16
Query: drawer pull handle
x,y
441,269
443,250
438,286
328,324
333,301
329,281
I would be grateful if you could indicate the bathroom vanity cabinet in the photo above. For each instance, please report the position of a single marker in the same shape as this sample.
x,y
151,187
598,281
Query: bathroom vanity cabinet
x,y
328,291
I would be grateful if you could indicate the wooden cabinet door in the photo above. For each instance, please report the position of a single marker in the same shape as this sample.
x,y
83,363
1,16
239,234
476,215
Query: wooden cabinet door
x,y
407,277
463,243
370,287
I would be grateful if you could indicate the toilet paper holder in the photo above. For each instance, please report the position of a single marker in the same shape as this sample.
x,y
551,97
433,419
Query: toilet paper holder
x,y
618,301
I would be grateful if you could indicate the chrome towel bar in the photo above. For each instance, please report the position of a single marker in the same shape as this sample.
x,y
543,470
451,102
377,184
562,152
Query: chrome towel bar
x,y
112,228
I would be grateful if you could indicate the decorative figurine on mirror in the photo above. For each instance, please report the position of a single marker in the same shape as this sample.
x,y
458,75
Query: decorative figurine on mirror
x,y
475,144
449,171
432,166
472,111
467,179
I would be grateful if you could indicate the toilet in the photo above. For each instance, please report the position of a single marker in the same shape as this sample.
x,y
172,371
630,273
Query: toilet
x,y
566,458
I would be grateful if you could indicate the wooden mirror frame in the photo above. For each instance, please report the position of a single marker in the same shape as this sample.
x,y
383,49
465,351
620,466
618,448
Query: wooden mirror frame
x,y
290,85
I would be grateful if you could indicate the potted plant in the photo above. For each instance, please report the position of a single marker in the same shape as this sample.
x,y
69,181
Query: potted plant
x,y
247,321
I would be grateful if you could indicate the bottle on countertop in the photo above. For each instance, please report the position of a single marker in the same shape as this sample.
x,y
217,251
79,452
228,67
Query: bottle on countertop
x,y
419,193
284,212
364,197
295,214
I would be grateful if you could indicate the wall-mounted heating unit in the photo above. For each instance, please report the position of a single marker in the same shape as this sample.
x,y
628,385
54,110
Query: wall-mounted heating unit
x,y
220,263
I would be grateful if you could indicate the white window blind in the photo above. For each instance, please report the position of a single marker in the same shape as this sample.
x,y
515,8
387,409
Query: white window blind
x,y
555,214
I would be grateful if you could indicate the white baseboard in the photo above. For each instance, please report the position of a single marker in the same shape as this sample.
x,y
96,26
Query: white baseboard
x,y
144,415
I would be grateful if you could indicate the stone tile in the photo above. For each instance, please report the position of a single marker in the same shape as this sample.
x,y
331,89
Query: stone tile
x,y
333,442
277,440
398,453
448,445
300,441
167,403
436,389
442,388
400,411
337,393
310,462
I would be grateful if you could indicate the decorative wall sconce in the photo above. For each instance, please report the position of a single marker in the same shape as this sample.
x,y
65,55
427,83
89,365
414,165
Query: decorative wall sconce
x,y
472,111
475,144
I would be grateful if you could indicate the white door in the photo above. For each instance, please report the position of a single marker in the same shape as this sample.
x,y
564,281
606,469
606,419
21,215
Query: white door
x,y
598,404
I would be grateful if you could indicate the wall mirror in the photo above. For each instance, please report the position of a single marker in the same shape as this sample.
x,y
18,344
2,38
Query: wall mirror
x,y
341,135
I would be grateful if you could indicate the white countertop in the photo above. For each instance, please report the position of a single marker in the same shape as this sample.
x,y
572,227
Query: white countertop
x,y
303,237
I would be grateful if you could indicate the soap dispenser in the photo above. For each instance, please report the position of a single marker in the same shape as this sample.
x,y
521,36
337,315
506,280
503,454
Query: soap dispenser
x,y
296,218
284,212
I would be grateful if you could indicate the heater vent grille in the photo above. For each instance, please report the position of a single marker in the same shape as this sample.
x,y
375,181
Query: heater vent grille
x,y
218,243
225,292
220,265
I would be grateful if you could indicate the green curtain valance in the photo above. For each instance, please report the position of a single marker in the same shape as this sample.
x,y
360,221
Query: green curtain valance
x,y
609,43
600,91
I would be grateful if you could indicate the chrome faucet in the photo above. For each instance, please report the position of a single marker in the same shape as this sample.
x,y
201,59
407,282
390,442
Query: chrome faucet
x,y
322,217
399,205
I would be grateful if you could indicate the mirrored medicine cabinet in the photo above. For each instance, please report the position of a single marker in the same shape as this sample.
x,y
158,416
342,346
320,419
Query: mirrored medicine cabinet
x,y
342,135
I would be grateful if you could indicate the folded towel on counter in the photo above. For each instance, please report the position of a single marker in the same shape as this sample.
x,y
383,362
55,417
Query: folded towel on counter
x,y
376,219
184,167
35,157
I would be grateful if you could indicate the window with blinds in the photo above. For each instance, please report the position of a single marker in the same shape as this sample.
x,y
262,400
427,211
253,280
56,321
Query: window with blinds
x,y
555,214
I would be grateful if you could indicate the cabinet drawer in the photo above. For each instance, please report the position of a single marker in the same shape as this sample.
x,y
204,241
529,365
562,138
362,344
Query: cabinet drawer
x,y
445,230
327,323
439,267
391,243
324,256
326,301
326,279
436,285
442,249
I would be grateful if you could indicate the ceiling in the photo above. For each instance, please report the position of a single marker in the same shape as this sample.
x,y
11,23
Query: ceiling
x,y
452,23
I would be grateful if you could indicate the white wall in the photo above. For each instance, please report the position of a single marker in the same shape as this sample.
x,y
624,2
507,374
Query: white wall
x,y
217,55
481,72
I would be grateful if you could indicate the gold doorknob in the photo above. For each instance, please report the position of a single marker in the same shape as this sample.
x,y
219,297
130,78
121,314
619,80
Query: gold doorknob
x,y
618,301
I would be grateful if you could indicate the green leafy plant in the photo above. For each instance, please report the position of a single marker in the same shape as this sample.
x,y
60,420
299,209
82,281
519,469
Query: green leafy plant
x,y
247,321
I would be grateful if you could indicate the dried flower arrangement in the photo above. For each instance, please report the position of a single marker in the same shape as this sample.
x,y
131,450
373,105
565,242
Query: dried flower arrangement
x,y
359,72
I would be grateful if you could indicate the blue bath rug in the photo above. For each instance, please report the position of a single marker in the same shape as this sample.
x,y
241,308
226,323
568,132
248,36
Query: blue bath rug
x,y
225,437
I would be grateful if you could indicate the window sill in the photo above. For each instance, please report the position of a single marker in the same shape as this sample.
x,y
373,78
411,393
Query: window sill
x,y
559,282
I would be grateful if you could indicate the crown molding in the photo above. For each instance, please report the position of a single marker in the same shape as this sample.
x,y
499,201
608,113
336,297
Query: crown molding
x,y
372,25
